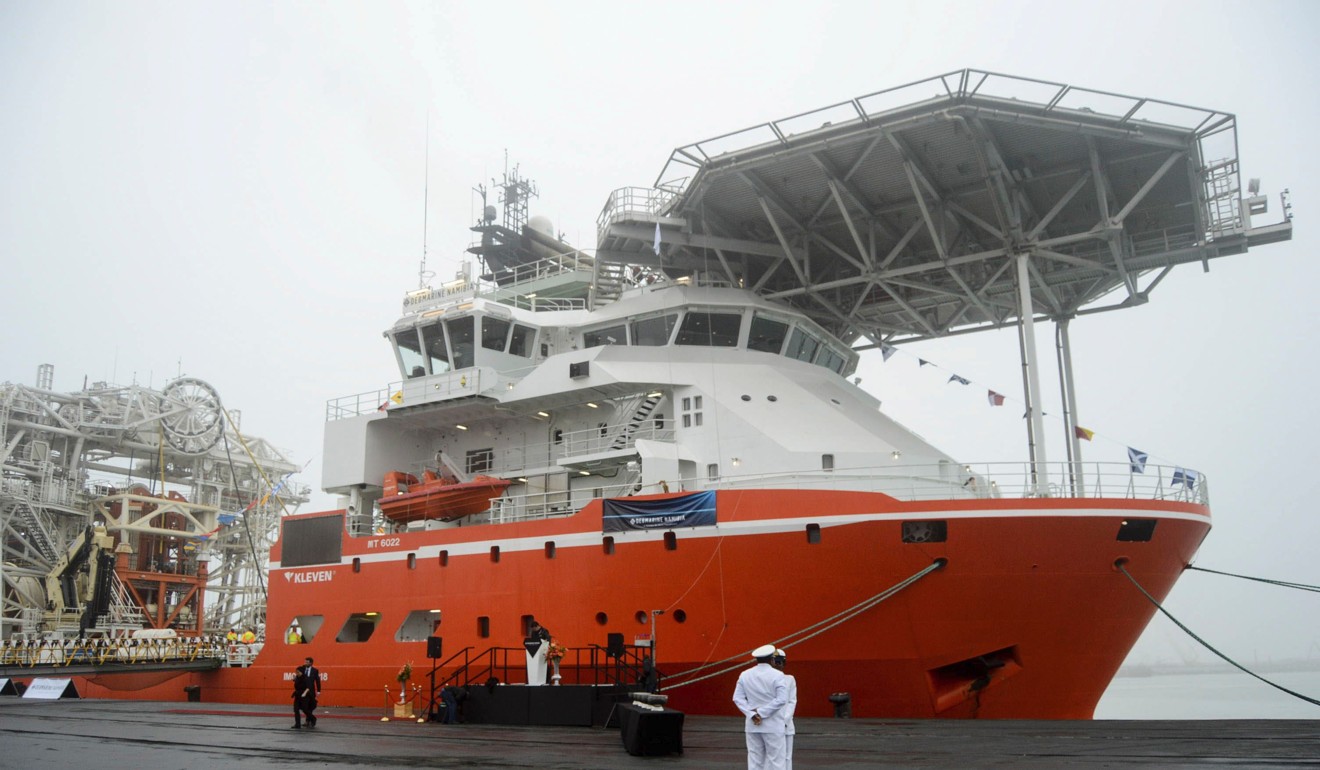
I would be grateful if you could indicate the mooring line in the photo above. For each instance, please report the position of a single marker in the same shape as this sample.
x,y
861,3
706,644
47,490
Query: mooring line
x,y
1284,583
1121,568
816,628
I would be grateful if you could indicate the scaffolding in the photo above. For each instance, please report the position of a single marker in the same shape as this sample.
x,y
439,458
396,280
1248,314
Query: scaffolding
x,y
166,469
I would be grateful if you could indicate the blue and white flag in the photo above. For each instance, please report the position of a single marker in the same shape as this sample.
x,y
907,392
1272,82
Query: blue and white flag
x,y
1137,459
887,350
1185,477
959,380
656,245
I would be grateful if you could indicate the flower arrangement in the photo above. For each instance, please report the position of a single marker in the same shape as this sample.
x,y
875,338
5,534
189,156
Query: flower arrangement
x,y
405,673
554,650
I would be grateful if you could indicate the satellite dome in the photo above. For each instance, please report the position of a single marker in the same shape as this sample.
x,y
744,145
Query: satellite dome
x,y
542,225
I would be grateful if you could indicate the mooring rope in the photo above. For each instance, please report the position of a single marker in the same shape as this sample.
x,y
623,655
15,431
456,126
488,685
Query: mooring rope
x,y
816,629
1207,645
1284,583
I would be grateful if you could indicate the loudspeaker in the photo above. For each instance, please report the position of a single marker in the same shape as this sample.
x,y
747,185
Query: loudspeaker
x,y
433,647
614,645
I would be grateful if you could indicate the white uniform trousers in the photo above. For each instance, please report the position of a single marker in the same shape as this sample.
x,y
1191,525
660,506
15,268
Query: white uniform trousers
x,y
765,751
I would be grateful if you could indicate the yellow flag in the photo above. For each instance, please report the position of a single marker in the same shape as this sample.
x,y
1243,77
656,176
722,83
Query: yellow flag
x,y
397,397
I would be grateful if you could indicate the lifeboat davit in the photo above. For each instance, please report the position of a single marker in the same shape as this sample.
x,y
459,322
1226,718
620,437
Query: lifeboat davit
x,y
437,497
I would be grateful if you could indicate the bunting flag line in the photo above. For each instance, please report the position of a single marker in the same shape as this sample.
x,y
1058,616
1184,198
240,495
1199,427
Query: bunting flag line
x,y
921,362
887,351
1083,433
994,398
1137,459
959,380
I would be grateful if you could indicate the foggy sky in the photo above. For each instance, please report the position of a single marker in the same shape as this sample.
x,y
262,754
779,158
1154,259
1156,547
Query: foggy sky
x,y
234,191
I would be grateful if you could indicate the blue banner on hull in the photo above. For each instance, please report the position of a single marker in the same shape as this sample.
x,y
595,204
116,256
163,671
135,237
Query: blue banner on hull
x,y
694,510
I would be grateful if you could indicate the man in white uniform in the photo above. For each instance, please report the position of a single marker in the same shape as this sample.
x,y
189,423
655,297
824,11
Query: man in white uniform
x,y
761,695
778,661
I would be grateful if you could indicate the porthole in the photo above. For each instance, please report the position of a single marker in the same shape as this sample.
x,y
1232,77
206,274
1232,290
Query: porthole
x,y
549,549
772,398
813,533
680,616
412,561
602,618
357,564
746,397
495,554
640,617
444,558
607,545
671,541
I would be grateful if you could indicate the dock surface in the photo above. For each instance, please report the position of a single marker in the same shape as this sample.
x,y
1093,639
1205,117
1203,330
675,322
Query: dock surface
x,y
110,735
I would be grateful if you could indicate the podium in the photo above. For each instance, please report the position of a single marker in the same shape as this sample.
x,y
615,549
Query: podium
x,y
536,662
647,732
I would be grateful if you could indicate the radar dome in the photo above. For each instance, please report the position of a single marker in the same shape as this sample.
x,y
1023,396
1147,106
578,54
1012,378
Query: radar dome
x,y
489,214
542,225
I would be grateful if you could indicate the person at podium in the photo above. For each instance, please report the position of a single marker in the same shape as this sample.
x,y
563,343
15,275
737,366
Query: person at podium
x,y
536,644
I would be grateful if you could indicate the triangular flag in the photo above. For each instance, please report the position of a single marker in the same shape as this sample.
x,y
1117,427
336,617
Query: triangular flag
x,y
921,362
959,380
994,398
397,397
887,350
1137,460
656,245
1083,433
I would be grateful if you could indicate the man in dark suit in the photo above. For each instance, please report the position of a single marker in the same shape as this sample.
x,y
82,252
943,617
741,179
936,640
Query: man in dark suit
x,y
306,686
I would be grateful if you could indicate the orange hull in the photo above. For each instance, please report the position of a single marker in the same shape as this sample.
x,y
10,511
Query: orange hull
x,y
1031,582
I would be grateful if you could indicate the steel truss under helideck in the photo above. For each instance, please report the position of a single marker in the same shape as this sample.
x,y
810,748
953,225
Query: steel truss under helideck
x,y
968,201
154,466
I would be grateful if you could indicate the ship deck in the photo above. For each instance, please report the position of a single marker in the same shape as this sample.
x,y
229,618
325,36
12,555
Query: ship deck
x,y
125,734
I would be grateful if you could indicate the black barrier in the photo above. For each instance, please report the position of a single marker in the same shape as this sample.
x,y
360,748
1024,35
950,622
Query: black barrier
x,y
647,732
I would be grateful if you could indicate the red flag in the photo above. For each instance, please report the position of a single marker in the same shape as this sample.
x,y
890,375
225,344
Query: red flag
x,y
1083,433
994,398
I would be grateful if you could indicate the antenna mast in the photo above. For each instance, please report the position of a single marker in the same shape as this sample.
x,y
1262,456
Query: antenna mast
x,y
422,274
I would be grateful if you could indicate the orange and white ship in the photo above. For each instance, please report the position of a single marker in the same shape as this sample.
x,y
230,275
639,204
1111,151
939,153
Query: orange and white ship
x,y
661,442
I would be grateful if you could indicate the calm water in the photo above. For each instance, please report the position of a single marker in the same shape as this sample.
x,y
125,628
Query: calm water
x,y
1210,696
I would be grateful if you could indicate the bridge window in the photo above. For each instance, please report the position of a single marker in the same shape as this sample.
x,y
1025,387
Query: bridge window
x,y
717,330
654,331
832,360
802,346
410,353
358,628
610,335
418,625
461,331
520,344
767,335
433,336
494,333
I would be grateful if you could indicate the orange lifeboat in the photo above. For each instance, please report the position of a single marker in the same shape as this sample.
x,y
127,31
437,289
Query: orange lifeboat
x,y
437,497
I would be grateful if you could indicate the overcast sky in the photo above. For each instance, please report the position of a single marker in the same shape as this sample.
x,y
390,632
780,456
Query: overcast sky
x,y
234,191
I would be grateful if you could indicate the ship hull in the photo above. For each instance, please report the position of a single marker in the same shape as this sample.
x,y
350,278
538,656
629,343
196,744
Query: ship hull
x,y
1026,617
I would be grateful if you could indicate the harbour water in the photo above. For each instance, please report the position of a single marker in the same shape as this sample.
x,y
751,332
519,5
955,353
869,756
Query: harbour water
x,y
1228,695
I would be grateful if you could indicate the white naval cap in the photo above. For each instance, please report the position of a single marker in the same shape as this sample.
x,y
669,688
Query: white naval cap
x,y
780,654
764,651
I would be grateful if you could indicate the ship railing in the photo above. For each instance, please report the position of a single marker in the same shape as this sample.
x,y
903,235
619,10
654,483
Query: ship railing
x,y
589,665
946,481
552,504
610,439
630,203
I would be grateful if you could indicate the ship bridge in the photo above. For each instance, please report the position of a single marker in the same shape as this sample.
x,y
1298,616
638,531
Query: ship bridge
x,y
967,201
